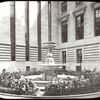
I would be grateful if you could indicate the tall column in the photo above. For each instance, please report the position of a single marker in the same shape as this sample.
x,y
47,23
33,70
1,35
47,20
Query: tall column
x,y
39,29
12,31
27,29
49,20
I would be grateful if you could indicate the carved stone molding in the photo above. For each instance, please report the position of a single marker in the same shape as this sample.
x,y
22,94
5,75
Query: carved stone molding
x,y
63,17
95,5
79,10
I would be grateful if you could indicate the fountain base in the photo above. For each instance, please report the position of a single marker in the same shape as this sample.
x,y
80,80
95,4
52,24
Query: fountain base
x,y
49,75
49,67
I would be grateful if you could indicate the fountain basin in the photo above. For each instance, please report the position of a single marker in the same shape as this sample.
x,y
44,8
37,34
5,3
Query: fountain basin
x,y
49,70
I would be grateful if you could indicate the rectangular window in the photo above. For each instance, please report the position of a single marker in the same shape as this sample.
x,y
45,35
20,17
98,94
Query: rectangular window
x,y
63,56
79,59
97,22
64,32
80,27
78,2
79,55
27,68
64,6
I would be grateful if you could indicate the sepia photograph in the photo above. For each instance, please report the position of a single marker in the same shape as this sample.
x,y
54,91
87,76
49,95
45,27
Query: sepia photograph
x,y
49,49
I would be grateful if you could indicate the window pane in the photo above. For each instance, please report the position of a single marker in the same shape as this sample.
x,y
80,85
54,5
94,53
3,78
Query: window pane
x,y
64,31
64,56
97,22
80,27
79,55
64,6
27,68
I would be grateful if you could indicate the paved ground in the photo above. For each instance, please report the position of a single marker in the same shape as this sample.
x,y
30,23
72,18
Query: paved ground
x,y
34,76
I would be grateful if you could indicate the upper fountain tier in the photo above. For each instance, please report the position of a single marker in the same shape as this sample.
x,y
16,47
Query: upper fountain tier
x,y
49,62
49,44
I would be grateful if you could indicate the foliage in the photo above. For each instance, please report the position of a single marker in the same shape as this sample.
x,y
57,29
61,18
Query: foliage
x,y
69,86
13,82
65,87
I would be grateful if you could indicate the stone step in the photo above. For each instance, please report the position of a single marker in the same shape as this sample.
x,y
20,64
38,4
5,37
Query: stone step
x,y
41,84
41,88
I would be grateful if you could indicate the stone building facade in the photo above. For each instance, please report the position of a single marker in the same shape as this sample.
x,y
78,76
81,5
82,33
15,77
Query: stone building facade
x,y
89,44
77,52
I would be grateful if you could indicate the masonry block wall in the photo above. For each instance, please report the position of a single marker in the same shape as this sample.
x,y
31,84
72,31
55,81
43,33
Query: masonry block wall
x,y
90,45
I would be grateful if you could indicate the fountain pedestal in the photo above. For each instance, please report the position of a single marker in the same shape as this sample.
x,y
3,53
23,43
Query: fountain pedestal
x,y
48,75
49,72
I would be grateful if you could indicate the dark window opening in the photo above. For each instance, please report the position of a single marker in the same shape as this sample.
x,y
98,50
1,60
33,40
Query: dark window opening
x,y
78,2
97,22
63,56
80,27
27,68
64,27
78,68
64,6
79,59
79,55
63,60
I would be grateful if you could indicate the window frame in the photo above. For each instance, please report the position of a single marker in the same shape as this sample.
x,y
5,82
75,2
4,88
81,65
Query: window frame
x,y
27,68
63,4
77,38
79,60
95,34
63,57
64,36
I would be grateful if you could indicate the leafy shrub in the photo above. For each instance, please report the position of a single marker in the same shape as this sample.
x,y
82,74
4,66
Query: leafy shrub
x,y
12,82
70,86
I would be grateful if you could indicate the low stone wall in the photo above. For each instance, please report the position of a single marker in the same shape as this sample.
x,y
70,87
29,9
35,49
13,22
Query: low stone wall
x,y
87,65
20,66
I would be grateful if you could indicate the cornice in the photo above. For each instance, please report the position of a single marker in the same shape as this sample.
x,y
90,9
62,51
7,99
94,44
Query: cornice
x,y
80,8
94,5
63,16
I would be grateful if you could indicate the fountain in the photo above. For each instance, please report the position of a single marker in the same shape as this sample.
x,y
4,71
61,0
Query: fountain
x,y
50,66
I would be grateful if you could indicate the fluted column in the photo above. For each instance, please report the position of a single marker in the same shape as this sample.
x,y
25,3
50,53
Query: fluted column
x,y
39,29
12,31
27,29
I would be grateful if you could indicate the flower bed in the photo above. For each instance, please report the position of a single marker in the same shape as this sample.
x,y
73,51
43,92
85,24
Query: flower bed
x,y
13,83
68,86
